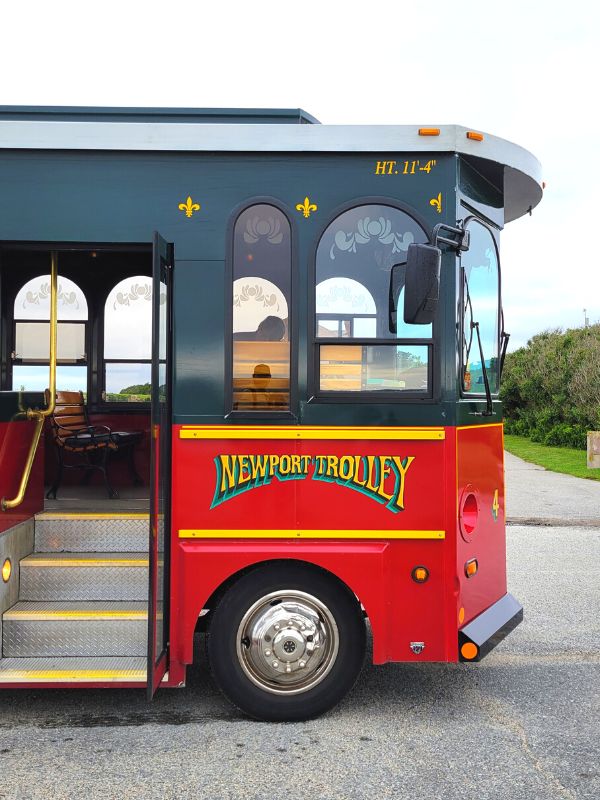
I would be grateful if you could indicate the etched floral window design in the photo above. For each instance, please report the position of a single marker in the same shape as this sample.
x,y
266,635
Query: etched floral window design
x,y
261,294
33,300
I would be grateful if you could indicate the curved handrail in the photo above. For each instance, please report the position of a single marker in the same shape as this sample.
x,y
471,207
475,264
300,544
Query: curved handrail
x,y
32,413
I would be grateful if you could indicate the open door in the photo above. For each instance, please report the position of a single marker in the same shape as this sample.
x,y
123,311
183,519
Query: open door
x,y
160,472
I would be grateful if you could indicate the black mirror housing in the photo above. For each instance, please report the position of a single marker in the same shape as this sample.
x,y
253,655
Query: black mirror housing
x,y
422,283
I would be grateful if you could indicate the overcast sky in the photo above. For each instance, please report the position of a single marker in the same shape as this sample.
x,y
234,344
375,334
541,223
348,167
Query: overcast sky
x,y
526,71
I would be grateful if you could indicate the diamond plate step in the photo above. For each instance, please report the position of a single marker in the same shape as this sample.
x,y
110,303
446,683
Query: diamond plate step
x,y
91,533
73,670
74,629
84,576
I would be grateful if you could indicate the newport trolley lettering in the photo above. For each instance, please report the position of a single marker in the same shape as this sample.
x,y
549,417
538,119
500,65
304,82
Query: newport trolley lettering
x,y
382,478
269,404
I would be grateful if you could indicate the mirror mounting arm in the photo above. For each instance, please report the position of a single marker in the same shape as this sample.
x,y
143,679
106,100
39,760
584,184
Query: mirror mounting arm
x,y
460,243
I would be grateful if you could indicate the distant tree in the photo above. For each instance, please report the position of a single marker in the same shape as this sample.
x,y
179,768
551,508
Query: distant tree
x,y
137,388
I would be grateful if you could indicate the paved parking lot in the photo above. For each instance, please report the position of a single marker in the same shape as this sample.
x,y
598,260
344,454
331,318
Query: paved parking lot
x,y
521,724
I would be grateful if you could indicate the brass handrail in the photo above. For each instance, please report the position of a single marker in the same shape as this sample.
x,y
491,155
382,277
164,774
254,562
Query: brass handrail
x,y
32,413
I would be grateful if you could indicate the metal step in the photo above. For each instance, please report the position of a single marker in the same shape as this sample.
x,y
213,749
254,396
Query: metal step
x,y
84,576
73,670
91,533
74,629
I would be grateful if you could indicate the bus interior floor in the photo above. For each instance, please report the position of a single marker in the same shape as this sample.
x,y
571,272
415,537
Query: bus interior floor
x,y
93,499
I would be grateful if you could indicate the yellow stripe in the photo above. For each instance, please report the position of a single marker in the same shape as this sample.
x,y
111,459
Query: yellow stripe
x,y
294,432
74,614
308,534
88,562
487,425
30,676
85,515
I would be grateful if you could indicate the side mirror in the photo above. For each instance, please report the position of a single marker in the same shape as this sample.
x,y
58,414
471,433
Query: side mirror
x,y
422,283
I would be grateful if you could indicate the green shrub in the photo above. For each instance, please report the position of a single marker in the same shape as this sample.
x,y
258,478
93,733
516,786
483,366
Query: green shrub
x,y
551,387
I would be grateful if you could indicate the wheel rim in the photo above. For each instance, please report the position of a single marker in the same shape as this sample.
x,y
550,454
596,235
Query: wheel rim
x,y
287,642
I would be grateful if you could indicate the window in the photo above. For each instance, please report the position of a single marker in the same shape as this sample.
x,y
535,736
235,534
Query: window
x,y
262,273
128,340
356,352
32,336
480,293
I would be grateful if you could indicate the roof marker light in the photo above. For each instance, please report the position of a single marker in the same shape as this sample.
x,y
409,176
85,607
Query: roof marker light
x,y
477,137
429,131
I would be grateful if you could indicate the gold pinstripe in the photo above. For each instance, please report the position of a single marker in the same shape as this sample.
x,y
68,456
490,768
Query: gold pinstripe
x,y
295,432
309,534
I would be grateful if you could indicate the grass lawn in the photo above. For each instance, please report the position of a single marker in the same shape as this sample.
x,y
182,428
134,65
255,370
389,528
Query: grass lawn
x,y
557,459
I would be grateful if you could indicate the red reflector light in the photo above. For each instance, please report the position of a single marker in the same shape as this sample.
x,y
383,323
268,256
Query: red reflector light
x,y
468,513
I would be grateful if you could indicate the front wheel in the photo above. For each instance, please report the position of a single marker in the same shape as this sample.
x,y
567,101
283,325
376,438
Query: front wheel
x,y
286,642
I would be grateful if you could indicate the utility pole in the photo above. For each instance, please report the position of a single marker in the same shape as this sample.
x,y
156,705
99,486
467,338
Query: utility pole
x,y
586,321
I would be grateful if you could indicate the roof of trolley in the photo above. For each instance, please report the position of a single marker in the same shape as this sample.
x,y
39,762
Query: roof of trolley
x,y
27,128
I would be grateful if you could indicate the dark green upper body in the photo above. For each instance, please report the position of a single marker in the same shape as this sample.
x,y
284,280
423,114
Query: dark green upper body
x,y
58,197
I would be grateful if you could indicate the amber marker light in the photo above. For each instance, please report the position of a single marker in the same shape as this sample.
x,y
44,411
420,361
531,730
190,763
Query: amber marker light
x,y
420,574
429,131
477,137
471,567
469,651
6,570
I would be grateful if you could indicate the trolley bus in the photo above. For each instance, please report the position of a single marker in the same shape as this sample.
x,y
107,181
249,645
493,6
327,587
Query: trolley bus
x,y
249,373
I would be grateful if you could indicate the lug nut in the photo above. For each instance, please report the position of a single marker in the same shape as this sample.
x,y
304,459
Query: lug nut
x,y
302,664
267,653
276,664
277,627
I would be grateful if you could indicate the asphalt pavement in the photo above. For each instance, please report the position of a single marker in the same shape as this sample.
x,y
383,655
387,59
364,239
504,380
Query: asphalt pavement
x,y
536,496
522,724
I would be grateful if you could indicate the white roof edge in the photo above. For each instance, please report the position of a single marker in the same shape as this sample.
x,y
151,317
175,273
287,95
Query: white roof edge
x,y
217,137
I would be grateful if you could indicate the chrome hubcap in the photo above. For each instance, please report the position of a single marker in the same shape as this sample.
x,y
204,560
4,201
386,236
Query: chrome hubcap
x,y
287,642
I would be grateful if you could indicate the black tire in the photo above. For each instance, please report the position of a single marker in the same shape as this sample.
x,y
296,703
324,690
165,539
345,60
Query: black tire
x,y
331,615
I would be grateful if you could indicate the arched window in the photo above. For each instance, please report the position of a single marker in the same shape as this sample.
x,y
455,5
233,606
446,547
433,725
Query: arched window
x,y
356,351
128,340
32,336
262,275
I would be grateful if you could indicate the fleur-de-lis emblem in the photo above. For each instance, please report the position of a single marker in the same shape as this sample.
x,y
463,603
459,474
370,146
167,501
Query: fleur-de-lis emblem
x,y
306,207
189,206
437,203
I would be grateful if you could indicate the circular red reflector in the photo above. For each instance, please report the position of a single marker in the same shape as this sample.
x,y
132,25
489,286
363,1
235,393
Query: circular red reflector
x,y
468,514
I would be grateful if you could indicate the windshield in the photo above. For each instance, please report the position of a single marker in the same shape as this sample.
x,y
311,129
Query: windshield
x,y
480,305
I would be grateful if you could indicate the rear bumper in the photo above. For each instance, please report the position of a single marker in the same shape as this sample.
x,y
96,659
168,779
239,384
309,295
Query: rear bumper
x,y
489,628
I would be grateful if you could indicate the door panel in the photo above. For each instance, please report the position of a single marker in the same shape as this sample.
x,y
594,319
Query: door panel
x,y
158,634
